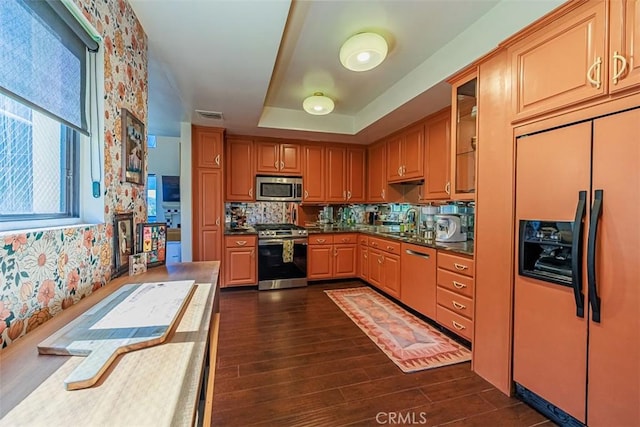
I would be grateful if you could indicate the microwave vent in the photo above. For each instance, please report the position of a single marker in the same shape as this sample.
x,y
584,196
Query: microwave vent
x,y
216,115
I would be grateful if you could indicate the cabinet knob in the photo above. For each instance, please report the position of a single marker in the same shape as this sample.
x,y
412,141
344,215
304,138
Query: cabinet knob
x,y
390,248
593,74
348,195
400,170
218,221
447,188
618,73
251,192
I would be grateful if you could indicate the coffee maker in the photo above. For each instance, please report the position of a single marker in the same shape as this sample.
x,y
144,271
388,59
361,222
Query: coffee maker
x,y
448,229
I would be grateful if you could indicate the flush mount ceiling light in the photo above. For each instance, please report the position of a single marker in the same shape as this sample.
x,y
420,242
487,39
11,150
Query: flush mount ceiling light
x,y
318,104
363,51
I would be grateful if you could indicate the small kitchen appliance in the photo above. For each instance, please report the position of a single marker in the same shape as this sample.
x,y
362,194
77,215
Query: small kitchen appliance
x,y
448,229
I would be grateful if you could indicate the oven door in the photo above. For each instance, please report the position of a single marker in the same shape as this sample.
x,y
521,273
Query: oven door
x,y
282,262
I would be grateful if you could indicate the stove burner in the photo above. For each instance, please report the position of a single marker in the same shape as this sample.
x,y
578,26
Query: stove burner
x,y
280,230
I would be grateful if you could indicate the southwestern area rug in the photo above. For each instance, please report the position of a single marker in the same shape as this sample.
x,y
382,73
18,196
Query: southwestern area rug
x,y
409,342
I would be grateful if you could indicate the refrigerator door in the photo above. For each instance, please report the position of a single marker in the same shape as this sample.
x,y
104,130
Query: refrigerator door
x,y
550,340
614,342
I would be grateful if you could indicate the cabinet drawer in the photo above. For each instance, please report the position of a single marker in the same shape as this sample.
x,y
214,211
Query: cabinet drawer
x,y
455,282
340,238
321,239
240,241
455,263
455,302
455,323
385,245
363,240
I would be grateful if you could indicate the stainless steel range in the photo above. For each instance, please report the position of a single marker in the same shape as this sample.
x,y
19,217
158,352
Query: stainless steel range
x,y
282,256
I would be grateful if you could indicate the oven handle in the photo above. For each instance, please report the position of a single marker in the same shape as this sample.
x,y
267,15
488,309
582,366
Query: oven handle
x,y
273,242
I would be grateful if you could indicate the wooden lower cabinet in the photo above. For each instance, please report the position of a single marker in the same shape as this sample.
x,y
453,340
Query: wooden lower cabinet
x,y
384,265
418,278
240,267
363,258
332,256
455,293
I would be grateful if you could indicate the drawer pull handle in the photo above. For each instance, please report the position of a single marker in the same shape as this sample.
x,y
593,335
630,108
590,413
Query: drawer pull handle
x,y
460,266
281,165
217,160
457,325
389,248
306,194
241,242
617,73
275,165
458,305
320,240
251,192
345,240
374,244
595,66
459,285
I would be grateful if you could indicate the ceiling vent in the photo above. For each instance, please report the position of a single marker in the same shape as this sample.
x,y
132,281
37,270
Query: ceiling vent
x,y
216,115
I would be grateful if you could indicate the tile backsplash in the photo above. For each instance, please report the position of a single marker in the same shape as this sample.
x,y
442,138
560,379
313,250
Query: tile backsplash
x,y
259,213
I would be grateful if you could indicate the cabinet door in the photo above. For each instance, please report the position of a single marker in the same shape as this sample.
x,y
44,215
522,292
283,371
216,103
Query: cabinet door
x,y
336,174
240,266
267,157
463,138
391,274
437,146
363,262
394,159
355,177
239,171
625,45
413,154
290,159
207,240
313,174
344,261
562,63
319,262
208,147
376,276
209,246
376,174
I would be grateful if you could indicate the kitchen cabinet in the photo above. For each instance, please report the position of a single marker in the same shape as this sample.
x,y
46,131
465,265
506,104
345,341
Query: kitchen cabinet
x,y
591,321
208,206
405,155
566,62
454,293
384,265
463,137
240,267
331,256
313,174
278,158
207,143
437,143
239,171
378,189
418,278
363,255
345,174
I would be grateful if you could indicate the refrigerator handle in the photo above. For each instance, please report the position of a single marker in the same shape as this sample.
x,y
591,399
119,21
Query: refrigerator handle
x,y
594,299
576,253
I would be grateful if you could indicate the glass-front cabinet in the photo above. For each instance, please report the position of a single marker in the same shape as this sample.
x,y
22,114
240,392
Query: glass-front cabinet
x,y
464,113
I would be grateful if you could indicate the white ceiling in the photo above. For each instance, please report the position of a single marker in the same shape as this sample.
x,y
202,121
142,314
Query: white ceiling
x,y
256,60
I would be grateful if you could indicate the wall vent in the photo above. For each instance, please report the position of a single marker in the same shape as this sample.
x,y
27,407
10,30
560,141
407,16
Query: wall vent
x,y
216,115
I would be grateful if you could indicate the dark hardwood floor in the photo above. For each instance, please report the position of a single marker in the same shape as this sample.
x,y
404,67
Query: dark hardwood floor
x,y
293,358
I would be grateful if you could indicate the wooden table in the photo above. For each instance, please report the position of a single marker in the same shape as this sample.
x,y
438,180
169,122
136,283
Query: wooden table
x,y
155,386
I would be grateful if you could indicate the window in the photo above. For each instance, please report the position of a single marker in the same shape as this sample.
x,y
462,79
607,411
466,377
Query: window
x,y
151,141
46,64
151,197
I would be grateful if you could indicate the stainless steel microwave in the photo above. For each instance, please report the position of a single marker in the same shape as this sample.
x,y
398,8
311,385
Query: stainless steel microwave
x,y
278,189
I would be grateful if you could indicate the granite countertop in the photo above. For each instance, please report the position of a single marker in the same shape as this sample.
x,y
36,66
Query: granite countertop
x,y
465,248
239,230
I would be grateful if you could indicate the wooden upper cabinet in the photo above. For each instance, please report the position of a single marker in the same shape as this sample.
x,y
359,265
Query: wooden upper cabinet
x,y
376,173
463,137
356,163
437,143
239,171
313,174
277,158
336,174
564,62
405,156
624,51
207,148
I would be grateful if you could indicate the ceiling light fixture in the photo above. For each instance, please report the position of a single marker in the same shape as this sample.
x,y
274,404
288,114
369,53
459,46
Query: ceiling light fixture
x,y
318,104
363,51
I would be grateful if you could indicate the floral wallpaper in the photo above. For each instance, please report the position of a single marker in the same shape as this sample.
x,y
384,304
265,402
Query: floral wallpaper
x,y
44,272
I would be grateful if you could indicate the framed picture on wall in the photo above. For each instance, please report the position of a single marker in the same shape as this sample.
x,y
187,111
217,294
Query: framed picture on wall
x,y
123,242
133,148
152,240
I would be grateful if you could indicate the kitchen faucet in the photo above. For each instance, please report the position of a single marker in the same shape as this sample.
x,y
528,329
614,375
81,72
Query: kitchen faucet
x,y
416,220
